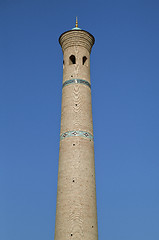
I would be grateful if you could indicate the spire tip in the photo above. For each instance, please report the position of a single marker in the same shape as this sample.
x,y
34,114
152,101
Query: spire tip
x,y
76,22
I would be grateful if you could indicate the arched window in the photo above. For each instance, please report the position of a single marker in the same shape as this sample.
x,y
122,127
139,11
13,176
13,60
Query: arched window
x,y
72,60
84,60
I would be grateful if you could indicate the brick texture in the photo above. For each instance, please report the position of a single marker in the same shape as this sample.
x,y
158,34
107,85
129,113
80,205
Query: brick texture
x,y
76,212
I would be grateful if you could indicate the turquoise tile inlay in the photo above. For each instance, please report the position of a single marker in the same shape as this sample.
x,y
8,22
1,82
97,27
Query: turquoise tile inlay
x,y
76,80
77,134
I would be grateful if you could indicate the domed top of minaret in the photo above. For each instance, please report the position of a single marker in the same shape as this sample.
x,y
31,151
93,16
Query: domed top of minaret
x,y
76,37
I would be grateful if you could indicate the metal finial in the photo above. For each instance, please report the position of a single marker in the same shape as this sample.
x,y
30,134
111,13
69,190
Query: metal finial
x,y
76,22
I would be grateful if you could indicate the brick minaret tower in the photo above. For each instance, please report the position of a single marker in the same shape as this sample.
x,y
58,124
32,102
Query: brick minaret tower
x,y
76,212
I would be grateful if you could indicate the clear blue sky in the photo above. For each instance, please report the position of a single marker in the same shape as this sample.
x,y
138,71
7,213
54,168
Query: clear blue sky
x,y
125,96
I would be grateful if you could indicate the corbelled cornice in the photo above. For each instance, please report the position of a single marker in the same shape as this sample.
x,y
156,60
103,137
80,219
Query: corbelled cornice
x,y
76,38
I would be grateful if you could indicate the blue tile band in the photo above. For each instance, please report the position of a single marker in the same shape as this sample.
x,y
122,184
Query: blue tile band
x,y
76,134
76,80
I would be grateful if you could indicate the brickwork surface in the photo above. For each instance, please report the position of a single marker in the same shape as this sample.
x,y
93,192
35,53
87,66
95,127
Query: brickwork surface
x,y
76,213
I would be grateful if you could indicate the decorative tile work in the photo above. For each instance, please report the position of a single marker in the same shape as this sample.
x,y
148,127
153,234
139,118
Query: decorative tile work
x,y
76,80
76,133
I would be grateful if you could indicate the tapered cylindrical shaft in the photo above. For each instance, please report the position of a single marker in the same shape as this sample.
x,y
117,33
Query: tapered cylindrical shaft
x,y
76,212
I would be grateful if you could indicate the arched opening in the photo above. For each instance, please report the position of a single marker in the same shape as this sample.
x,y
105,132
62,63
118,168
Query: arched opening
x,y
84,60
72,60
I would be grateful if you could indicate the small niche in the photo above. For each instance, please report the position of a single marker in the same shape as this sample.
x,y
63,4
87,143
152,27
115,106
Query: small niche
x,y
71,234
84,60
73,144
92,226
73,180
76,105
72,60
71,75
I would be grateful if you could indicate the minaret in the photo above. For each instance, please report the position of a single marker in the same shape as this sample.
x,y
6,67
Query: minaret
x,y
76,211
